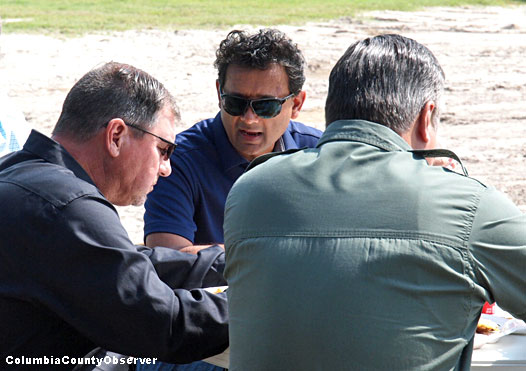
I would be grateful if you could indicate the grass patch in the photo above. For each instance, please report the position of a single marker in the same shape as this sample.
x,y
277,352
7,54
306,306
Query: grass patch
x,y
81,16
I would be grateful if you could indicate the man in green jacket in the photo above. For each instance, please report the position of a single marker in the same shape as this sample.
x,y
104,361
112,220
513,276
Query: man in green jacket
x,y
359,255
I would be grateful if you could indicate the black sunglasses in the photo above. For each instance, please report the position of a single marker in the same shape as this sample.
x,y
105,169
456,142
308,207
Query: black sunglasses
x,y
265,107
165,152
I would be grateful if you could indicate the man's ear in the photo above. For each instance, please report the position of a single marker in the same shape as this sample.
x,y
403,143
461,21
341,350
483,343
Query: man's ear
x,y
298,101
425,129
218,93
114,136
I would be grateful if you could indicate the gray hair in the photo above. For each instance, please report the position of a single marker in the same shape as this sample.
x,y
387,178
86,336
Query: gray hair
x,y
386,79
114,90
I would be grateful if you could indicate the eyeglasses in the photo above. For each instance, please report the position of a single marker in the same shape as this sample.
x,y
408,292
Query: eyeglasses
x,y
165,152
265,107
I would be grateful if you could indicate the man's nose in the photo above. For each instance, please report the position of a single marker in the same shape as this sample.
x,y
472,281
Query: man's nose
x,y
249,116
165,169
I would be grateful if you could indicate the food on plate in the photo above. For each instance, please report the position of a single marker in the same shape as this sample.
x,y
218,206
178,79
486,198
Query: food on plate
x,y
486,327
216,289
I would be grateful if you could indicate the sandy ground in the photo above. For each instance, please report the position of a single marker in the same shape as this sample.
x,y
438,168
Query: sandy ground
x,y
482,51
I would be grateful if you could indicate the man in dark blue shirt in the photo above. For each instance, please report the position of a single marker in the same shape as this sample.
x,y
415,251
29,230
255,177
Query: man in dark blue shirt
x,y
70,278
259,88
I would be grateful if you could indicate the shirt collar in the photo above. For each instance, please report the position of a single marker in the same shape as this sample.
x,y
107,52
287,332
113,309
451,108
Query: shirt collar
x,y
288,140
51,151
366,132
279,146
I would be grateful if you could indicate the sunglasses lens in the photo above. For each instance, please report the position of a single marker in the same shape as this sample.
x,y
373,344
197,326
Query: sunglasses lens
x,y
235,106
267,108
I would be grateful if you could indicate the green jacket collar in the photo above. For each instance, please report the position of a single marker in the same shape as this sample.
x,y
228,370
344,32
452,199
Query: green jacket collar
x,y
366,132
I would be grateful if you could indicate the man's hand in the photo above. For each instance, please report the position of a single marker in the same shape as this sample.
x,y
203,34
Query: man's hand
x,y
194,249
446,162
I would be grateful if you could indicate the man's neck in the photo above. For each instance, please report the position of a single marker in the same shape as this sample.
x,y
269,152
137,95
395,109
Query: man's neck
x,y
88,155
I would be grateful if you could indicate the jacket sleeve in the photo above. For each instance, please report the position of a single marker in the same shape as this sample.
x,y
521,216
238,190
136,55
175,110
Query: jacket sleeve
x,y
498,247
97,281
188,271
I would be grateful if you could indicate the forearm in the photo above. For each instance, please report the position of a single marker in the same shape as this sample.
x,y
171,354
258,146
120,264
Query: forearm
x,y
194,249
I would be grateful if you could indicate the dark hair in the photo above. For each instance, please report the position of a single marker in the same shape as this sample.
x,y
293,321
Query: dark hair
x,y
258,51
385,79
114,90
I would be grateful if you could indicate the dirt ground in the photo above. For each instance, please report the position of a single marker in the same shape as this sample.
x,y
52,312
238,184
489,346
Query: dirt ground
x,y
482,51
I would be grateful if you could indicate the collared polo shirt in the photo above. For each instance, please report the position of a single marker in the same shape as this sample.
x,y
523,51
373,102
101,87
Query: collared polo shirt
x,y
205,165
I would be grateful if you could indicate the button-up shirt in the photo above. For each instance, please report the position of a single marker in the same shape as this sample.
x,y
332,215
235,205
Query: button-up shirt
x,y
71,279
358,255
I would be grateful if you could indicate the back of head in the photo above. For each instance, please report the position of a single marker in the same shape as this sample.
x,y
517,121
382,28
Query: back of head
x,y
114,90
259,50
385,79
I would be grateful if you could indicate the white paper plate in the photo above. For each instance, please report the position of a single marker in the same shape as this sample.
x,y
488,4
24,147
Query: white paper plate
x,y
507,326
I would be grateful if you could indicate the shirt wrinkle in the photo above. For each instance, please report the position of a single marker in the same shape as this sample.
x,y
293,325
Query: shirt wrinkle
x,y
361,233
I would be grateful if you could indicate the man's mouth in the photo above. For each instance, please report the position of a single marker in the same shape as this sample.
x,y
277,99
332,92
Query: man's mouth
x,y
252,134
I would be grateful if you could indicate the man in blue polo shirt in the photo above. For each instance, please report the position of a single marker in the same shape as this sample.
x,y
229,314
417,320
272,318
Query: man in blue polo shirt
x,y
259,87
